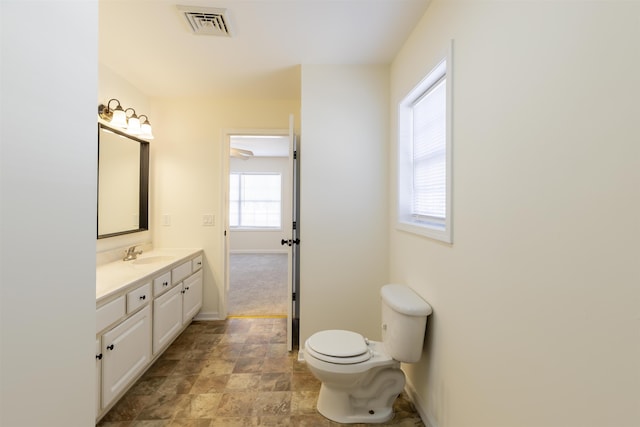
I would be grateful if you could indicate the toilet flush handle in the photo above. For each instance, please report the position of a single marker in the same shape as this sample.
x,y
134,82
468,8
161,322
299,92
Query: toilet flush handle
x,y
384,326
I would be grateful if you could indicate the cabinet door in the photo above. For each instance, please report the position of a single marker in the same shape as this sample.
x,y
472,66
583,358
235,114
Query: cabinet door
x,y
167,317
192,297
126,352
98,375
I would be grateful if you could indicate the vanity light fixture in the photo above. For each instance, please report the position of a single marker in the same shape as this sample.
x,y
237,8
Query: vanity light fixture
x,y
145,128
116,117
119,118
133,122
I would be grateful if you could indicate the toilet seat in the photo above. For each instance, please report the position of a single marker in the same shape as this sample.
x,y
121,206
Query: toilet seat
x,y
338,346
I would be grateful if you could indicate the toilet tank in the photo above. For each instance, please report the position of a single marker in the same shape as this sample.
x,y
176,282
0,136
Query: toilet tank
x,y
404,319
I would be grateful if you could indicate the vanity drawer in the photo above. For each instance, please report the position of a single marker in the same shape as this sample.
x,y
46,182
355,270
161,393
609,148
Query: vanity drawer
x,y
196,263
161,283
181,271
109,313
138,297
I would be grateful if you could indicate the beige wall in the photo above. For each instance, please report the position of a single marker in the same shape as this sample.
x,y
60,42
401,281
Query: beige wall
x,y
536,302
186,169
112,85
343,212
187,164
47,185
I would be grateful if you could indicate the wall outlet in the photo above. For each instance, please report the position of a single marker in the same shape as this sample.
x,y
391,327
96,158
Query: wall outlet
x,y
208,220
166,220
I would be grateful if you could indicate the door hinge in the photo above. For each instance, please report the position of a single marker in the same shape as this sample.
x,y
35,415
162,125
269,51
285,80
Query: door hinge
x,y
295,155
293,296
295,225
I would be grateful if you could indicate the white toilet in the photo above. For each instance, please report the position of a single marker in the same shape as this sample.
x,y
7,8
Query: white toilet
x,y
360,378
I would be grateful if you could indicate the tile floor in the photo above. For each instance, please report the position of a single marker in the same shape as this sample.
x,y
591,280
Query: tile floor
x,y
230,373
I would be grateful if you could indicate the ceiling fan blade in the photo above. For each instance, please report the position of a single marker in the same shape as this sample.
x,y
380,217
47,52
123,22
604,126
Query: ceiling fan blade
x,y
241,154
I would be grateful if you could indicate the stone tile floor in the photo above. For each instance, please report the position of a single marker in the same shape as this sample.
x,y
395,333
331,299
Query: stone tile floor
x,y
230,373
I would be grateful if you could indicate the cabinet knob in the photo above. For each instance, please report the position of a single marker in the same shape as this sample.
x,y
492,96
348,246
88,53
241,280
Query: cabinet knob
x,y
110,347
143,297
165,283
99,356
186,289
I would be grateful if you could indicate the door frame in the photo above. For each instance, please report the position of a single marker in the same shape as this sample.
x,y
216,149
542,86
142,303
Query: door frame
x,y
225,246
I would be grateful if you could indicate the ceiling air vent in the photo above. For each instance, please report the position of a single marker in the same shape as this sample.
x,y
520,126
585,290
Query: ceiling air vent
x,y
208,21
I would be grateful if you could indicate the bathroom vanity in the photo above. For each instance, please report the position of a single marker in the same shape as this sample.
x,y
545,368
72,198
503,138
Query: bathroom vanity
x,y
142,305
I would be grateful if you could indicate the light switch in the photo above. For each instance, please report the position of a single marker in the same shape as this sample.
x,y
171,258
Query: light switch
x,y
208,220
166,220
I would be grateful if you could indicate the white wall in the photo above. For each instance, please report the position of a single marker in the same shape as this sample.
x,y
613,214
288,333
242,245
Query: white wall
x,y
187,173
264,241
536,302
48,211
343,201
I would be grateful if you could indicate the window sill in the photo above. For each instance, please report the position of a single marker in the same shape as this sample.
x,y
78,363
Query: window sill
x,y
441,234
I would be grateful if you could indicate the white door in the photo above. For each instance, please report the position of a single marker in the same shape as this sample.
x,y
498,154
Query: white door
x,y
293,241
292,244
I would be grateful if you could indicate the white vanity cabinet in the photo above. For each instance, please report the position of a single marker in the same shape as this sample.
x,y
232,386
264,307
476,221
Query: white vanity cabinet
x,y
126,352
174,309
140,309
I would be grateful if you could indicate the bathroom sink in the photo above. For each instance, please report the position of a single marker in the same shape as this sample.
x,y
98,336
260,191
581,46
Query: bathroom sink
x,y
152,259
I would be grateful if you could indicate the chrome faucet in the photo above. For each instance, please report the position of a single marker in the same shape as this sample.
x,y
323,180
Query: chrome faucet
x,y
131,253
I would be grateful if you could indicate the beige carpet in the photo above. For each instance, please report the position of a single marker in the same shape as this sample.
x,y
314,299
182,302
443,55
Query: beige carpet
x,y
257,284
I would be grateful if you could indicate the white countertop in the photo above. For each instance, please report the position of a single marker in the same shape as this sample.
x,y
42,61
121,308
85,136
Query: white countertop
x,y
118,275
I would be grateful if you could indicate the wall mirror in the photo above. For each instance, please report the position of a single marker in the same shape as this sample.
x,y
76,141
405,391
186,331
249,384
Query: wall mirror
x,y
123,183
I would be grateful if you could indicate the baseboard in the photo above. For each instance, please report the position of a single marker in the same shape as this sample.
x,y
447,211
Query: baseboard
x,y
208,316
415,399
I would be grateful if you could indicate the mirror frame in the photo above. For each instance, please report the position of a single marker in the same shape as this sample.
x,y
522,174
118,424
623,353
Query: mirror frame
x,y
143,212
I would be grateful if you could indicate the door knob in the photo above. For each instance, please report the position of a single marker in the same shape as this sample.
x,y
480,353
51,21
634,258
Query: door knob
x,y
285,242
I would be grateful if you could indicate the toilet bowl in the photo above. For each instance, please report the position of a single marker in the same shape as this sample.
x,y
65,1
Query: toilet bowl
x,y
359,388
360,378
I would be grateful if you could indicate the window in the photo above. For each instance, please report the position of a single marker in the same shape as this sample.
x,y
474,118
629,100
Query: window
x,y
255,200
424,153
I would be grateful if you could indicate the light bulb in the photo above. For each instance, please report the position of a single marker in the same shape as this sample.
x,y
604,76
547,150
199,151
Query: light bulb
x,y
119,118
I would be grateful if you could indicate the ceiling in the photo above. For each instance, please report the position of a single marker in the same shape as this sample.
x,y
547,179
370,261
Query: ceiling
x,y
149,43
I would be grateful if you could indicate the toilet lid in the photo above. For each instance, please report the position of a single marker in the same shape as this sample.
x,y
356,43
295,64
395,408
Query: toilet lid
x,y
339,346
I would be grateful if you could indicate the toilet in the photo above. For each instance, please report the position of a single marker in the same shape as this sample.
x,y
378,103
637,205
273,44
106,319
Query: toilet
x,y
361,378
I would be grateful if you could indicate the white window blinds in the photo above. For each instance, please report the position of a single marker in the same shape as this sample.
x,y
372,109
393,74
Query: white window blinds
x,y
429,155
255,200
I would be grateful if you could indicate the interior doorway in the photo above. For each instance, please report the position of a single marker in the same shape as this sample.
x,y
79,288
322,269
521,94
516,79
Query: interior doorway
x,y
259,208
257,284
